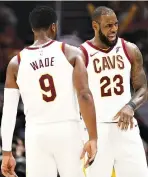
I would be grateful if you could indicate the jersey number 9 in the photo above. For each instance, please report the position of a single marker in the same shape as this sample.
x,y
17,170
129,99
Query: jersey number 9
x,y
47,85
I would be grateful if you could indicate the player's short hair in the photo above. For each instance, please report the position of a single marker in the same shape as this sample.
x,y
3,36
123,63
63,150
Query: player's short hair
x,y
102,10
42,17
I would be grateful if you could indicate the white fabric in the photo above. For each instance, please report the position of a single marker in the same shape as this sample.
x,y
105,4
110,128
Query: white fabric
x,y
51,63
11,100
122,149
54,147
109,68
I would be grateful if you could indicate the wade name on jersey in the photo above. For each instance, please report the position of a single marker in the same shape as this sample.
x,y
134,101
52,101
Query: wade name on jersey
x,y
42,63
107,63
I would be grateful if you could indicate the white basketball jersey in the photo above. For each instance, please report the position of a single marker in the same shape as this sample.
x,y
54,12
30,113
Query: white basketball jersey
x,y
109,78
45,83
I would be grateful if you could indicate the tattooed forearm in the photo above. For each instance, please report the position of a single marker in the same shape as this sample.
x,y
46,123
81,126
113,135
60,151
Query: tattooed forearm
x,y
138,77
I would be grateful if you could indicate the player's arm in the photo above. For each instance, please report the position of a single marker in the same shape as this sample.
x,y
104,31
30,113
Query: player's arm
x,y
138,77
11,99
139,83
80,80
85,99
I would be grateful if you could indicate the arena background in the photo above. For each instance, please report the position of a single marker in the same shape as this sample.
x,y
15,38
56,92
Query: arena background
x,y
74,28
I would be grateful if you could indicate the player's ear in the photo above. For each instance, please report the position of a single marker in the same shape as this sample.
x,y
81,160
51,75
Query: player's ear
x,y
95,25
54,27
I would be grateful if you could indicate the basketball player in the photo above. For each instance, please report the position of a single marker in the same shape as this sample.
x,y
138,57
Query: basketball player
x,y
46,76
111,63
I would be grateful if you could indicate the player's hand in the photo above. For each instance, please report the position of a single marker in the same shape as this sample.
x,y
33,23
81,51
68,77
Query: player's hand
x,y
90,148
125,116
8,165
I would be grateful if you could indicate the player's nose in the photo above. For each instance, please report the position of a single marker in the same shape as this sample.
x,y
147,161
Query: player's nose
x,y
114,29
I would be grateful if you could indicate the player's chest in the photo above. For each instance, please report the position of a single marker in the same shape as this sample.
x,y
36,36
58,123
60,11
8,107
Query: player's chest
x,y
100,63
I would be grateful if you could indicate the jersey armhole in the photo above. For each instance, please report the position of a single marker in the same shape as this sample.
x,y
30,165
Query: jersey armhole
x,y
125,50
18,58
63,47
85,54
63,50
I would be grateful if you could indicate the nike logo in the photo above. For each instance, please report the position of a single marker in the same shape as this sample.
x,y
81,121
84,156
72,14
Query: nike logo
x,y
117,49
91,55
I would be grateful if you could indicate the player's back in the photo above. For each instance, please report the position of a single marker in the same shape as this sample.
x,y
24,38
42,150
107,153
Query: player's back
x,y
109,78
46,86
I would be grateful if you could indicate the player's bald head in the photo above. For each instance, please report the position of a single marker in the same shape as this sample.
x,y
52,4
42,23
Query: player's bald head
x,y
102,10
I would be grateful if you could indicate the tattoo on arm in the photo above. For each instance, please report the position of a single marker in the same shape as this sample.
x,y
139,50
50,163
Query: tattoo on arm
x,y
138,77
137,72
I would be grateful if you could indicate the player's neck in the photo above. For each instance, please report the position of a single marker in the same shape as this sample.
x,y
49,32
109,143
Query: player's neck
x,y
41,38
99,44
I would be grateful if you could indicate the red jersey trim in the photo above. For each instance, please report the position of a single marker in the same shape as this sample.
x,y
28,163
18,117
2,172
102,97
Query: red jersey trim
x,y
18,58
97,48
63,47
125,51
35,48
85,54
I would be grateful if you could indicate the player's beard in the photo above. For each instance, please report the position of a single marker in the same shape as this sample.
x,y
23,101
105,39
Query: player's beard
x,y
105,40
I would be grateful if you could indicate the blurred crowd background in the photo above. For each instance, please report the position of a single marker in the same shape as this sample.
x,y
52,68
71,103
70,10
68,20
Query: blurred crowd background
x,y
74,28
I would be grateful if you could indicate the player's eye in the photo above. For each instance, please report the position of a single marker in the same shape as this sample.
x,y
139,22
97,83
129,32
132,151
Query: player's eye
x,y
109,25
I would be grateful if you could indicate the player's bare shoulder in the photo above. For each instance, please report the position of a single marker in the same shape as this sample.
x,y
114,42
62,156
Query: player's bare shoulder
x,y
133,52
13,66
138,75
11,75
71,52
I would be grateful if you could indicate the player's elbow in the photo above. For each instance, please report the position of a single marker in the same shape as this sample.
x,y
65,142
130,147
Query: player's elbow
x,y
85,95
